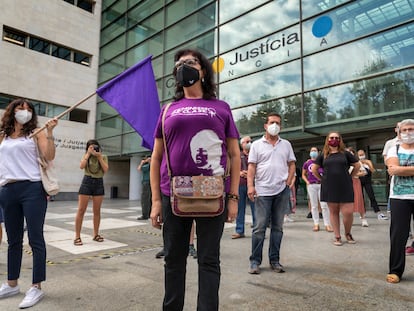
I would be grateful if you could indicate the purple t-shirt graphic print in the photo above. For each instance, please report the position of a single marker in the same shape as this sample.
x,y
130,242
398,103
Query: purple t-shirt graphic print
x,y
196,132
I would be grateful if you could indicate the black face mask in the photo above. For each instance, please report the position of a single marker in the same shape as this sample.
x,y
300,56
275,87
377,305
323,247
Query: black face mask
x,y
187,75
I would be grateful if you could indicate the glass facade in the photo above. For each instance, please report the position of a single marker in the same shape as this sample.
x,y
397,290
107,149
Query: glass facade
x,y
322,64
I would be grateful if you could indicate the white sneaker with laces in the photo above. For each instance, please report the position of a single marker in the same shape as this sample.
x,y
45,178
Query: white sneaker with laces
x,y
364,223
6,290
381,216
33,296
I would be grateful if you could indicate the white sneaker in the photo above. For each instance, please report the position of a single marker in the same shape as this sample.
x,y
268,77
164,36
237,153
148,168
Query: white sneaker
x,y
288,219
381,216
364,223
33,296
6,290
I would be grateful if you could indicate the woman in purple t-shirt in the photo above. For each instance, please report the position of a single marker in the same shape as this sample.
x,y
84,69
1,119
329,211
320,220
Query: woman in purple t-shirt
x,y
313,187
200,135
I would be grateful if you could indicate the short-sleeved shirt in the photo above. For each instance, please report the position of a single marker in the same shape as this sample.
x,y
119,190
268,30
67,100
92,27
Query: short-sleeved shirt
x,y
388,144
93,168
196,131
402,187
272,169
145,169
336,185
244,162
307,166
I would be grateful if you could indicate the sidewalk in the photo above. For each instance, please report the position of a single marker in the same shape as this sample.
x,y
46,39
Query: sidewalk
x,y
122,273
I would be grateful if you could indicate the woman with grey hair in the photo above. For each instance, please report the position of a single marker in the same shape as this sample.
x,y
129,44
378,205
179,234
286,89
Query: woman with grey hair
x,y
400,163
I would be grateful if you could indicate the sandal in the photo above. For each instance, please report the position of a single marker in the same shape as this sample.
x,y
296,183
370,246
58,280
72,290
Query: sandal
x,y
337,241
98,238
350,239
393,278
77,242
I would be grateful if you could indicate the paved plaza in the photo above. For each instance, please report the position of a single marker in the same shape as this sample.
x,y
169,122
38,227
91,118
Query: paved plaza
x,y
122,273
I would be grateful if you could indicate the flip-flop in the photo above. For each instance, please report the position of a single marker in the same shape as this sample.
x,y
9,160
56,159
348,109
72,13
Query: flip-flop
x,y
393,278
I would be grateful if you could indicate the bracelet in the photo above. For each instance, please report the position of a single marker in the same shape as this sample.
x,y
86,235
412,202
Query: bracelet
x,y
50,138
232,196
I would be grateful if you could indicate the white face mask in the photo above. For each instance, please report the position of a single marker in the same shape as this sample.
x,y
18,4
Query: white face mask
x,y
407,138
273,129
247,146
362,157
23,116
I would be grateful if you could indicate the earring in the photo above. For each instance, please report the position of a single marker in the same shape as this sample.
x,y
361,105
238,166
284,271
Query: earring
x,y
202,80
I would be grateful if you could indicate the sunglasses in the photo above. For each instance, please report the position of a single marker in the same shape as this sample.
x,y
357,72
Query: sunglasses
x,y
190,62
334,137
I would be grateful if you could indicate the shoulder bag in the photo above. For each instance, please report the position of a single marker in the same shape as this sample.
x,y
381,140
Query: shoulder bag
x,y
47,173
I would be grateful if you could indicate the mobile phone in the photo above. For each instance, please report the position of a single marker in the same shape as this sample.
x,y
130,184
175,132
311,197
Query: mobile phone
x,y
96,148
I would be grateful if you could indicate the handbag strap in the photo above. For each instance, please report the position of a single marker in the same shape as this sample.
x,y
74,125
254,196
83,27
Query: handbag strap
x,y
163,138
37,147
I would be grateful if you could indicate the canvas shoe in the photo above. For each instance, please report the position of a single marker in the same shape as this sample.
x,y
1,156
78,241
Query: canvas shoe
x,y
6,290
277,267
381,216
192,251
254,268
409,250
364,223
33,296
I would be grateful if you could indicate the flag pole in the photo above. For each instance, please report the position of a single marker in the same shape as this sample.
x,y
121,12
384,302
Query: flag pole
x,y
63,113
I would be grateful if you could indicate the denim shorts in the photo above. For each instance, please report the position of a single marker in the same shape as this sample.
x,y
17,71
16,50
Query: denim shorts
x,y
92,186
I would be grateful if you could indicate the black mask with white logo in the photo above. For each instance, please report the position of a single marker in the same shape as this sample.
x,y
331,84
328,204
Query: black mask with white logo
x,y
187,75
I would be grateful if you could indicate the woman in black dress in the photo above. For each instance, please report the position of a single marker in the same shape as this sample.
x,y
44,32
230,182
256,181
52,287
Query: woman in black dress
x,y
336,183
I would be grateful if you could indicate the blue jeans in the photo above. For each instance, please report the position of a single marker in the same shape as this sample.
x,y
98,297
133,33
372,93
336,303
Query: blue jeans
x,y
20,200
241,212
176,235
271,208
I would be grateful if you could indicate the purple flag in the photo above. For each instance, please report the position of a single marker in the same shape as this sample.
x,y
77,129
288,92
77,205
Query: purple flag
x,y
134,95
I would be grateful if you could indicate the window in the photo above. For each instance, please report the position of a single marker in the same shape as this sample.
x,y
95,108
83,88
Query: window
x,y
14,36
44,46
48,110
86,5
60,52
79,115
39,45
81,58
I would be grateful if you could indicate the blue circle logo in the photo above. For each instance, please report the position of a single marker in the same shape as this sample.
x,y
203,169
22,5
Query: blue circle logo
x,y
322,26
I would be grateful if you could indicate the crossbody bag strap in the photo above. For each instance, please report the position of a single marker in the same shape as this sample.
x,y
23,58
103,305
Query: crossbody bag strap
x,y
163,138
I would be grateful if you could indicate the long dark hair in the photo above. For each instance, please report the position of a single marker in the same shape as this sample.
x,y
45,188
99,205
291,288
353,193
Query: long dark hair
x,y
207,84
92,142
8,120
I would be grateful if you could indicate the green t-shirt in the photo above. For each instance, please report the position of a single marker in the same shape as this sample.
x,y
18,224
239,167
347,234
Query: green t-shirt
x,y
145,169
93,168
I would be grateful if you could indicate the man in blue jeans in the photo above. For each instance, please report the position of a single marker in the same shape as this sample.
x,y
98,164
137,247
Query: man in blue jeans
x,y
271,170
245,144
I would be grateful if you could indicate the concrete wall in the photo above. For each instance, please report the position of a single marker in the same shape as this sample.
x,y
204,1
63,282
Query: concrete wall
x,y
31,74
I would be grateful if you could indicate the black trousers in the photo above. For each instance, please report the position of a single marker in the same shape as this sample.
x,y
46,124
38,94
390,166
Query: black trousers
x,y
176,234
366,184
146,199
401,215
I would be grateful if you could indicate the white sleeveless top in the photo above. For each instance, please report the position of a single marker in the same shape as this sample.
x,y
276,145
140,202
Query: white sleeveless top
x,y
18,160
